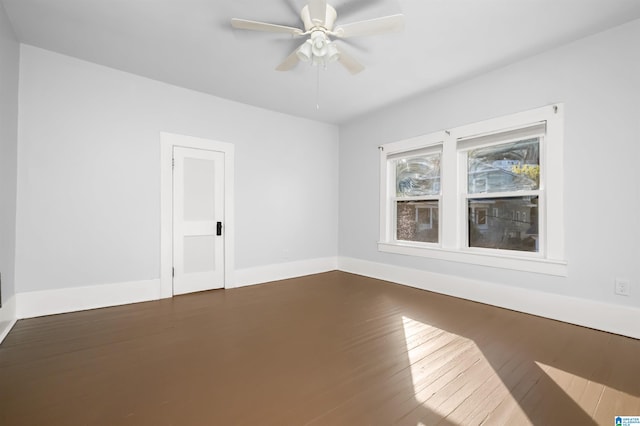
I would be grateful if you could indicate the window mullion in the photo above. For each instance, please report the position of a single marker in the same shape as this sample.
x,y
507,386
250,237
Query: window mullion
x,y
449,203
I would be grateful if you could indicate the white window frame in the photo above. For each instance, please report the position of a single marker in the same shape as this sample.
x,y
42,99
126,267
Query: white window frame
x,y
453,241
391,152
466,196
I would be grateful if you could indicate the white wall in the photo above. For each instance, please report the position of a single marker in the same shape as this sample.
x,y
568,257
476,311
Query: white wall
x,y
9,61
89,174
88,171
598,79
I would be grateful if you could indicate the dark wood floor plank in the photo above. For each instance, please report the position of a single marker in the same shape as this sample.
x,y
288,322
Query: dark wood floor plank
x,y
329,349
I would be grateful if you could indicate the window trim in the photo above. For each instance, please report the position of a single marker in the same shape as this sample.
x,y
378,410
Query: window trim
x,y
463,192
451,247
390,152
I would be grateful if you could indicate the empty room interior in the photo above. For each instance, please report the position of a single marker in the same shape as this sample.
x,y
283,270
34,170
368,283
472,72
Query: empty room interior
x,y
294,212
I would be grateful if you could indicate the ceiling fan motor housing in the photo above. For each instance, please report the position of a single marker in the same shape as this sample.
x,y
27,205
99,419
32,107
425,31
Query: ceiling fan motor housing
x,y
329,20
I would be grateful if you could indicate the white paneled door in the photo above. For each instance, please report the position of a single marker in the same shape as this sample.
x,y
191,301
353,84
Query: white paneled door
x,y
198,220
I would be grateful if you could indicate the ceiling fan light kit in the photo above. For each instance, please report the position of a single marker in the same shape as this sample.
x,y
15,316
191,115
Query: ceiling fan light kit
x,y
319,19
318,49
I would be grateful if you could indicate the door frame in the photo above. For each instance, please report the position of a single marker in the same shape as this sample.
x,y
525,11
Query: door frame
x,y
167,142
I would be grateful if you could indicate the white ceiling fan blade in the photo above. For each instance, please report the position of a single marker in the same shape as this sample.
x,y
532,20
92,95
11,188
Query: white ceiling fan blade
x,y
245,24
318,11
353,66
370,27
290,62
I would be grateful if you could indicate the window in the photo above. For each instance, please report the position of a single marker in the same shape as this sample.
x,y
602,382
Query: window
x,y
508,166
488,193
417,200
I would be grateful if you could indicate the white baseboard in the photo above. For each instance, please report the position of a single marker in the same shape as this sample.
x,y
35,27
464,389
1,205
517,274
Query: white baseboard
x,y
59,301
612,318
283,271
7,317
50,302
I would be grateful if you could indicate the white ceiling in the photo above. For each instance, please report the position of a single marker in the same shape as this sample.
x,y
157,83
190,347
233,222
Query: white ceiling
x,y
190,43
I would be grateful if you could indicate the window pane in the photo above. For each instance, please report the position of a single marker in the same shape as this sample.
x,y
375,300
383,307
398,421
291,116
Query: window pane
x,y
417,221
418,176
511,166
504,223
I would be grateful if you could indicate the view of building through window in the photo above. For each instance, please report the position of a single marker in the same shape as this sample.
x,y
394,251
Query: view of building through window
x,y
504,222
506,167
417,221
417,192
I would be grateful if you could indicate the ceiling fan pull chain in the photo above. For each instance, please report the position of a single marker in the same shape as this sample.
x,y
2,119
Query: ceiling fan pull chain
x,y
318,89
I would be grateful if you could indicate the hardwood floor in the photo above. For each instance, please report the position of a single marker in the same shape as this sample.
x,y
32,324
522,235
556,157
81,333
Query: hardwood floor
x,y
329,349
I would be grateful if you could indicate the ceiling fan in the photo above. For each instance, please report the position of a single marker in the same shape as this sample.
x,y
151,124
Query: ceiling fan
x,y
319,18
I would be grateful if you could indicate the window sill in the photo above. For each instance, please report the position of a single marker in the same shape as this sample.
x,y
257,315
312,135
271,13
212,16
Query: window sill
x,y
525,264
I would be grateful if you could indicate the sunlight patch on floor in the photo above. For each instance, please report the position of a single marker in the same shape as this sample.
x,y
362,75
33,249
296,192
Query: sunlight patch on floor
x,y
454,379
447,370
582,391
